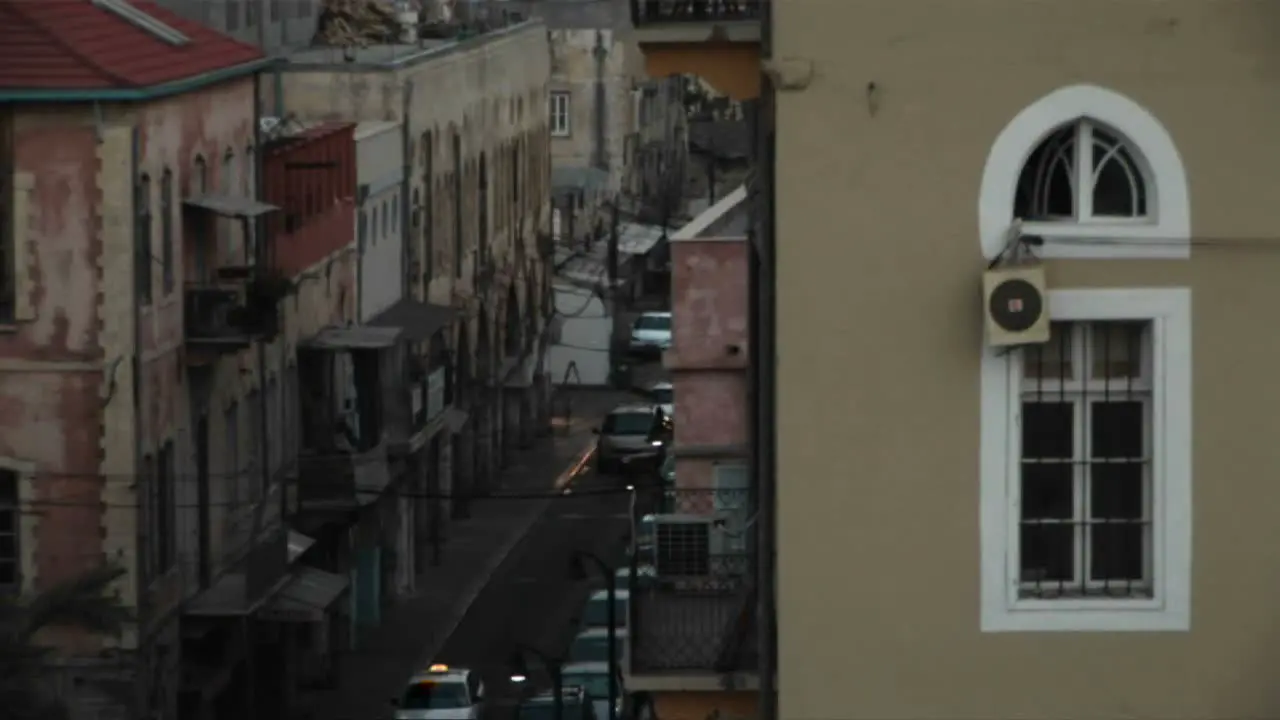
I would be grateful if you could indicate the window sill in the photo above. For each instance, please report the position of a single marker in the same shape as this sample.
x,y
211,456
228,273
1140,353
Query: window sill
x,y
8,328
1114,616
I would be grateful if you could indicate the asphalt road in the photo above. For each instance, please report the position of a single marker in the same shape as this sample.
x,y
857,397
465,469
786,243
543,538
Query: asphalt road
x,y
534,598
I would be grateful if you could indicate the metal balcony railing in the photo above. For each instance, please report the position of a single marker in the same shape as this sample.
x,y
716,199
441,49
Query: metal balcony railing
x,y
692,581
214,315
654,12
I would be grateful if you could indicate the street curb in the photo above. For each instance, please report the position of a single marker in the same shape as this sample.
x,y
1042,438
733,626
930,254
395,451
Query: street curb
x,y
469,594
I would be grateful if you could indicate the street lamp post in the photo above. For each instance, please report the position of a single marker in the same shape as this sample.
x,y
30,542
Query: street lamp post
x,y
553,667
611,592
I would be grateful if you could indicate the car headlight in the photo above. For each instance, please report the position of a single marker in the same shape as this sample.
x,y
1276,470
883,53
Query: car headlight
x,y
656,443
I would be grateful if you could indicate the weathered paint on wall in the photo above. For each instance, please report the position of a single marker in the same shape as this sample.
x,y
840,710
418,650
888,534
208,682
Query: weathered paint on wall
x,y
708,358
575,71
381,230
490,90
51,365
204,138
67,395
311,177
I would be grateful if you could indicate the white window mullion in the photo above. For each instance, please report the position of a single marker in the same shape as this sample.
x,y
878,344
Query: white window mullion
x,y
1084,171
1079,494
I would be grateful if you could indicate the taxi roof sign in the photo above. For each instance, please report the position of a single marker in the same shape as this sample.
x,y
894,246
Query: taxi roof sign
x,y
438,668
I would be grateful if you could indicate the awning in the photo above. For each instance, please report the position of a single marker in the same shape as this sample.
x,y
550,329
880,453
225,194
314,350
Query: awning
x,y
698,227
455,419
570,179
230,205
636,239
298,544
226,598
356,337
305,597
417,319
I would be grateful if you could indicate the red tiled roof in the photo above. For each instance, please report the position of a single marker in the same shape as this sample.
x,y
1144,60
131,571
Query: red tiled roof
x,y
77,45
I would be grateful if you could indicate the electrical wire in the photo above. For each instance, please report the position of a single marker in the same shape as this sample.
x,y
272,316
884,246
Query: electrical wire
x,y
1270,244
562,494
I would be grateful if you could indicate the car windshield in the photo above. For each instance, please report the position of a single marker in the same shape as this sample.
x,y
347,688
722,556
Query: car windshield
x,y
596,684
628,423
662,395
589,649
432,695
653,322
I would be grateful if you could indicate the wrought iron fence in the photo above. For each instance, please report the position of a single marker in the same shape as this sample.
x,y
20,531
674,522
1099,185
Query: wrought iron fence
x,y
648,12
692,579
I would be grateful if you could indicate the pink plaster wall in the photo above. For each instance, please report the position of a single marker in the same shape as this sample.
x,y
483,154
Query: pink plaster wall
x,y
708,357
50,390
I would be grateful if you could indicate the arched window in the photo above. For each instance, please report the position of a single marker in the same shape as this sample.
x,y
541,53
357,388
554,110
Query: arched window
x,y
201,179
1092,173
226,231
1082,171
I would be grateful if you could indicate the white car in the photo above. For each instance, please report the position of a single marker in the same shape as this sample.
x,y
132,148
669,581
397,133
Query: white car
x,y
441,693
651,333
664,395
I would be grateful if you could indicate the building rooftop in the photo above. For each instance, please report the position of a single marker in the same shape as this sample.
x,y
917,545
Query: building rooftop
x,y
727,218
392,56
54,46
369,128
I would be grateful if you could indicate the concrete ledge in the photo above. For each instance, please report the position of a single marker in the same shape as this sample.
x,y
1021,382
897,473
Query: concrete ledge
x,y
743,31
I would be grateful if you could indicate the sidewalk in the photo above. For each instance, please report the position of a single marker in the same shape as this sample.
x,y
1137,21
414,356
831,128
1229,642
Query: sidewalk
x,y
415,629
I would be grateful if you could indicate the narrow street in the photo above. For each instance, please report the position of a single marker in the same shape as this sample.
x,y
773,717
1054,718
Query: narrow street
x,y
534,598
507,580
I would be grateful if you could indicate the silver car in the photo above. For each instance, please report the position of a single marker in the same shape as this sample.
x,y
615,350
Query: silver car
x,y
632,435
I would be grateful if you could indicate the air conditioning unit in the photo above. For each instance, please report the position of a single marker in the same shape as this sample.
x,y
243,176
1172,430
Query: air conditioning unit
x,y
1015,305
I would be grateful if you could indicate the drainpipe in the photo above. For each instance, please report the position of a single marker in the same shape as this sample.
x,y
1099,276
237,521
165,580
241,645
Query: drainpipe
x,y
406,291
601,54
406,192
263,19
139,402
766,436
256,226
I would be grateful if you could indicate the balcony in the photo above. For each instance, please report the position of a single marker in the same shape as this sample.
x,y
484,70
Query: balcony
x,y
343,482
693,616
715,40
251,558
216,320
413,406
347,436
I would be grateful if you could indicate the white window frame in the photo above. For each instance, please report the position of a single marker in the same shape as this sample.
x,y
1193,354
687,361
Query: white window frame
x,y
1164,234
1081,392
1001,607
560,106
